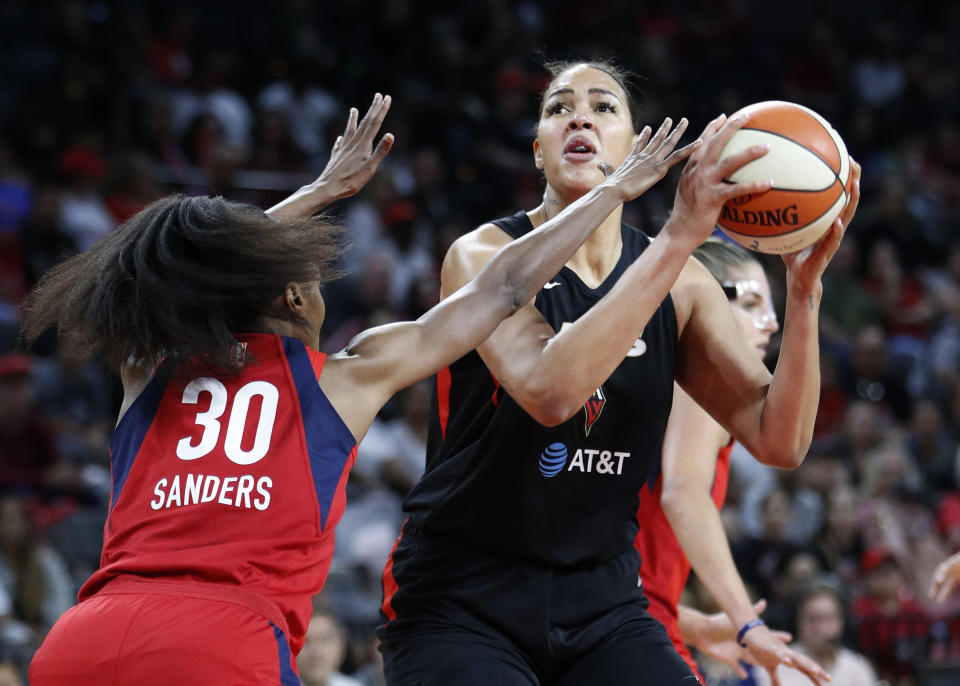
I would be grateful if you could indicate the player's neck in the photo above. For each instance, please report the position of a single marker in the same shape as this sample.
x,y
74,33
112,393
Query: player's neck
x,y
282,327
598,255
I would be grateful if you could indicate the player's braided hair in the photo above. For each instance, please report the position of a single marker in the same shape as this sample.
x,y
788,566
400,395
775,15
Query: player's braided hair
x,y
179,278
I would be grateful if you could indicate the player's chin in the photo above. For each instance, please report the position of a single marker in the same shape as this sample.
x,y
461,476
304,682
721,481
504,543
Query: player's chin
x,y
582,178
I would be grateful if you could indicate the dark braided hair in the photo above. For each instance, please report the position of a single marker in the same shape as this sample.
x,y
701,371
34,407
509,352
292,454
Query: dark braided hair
x,y
179,279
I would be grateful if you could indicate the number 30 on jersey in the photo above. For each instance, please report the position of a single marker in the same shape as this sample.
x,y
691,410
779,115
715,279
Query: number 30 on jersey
x,y
210,420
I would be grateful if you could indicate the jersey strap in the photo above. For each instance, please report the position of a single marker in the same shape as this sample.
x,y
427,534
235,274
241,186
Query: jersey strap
x,y
330,444
130,432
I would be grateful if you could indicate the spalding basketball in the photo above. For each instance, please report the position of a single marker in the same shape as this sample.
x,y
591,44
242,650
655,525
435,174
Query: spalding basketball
x,y
810,170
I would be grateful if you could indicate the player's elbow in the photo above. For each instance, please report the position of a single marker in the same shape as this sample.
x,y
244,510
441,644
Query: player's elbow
x,y
783,455
675,500
548,403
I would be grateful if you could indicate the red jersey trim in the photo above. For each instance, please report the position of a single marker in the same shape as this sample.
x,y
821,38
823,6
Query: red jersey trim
x,y
317,360
390,585
443,399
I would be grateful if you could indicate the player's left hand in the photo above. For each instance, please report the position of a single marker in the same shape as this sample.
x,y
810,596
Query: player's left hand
x,y
353,159
769,651
717,639
804,268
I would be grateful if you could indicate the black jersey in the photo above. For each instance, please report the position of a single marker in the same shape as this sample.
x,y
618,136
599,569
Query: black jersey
x,y
565,495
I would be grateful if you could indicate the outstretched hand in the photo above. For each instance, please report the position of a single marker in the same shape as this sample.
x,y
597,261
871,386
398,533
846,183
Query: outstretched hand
x,y
353,159
764,648
807,266
945,577
649,160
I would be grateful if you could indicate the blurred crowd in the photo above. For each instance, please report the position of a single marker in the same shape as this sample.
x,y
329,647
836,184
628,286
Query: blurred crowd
x,y
108,105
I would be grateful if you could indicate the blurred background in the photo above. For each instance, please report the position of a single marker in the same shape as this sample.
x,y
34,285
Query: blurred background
x,y
106,106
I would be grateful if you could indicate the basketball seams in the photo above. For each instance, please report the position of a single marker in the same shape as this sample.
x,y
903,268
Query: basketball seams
x,y
836,173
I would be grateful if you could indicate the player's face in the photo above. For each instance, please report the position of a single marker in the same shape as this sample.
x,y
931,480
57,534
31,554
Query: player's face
x,y
753,306
585,119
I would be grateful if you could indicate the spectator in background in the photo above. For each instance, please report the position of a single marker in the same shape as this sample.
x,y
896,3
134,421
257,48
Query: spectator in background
x,y
73,394
10,675
45,243
819,631
132,186
33,575
872,374
892,626
323,652
852,307
307,109
932,448
29,460
84,214
392,452
759,558
841,539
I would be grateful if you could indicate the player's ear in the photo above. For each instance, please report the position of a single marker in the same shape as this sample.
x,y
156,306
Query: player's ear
x,y
293,297
537,154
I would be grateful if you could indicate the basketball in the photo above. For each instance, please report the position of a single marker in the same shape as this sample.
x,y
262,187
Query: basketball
x,y
810,169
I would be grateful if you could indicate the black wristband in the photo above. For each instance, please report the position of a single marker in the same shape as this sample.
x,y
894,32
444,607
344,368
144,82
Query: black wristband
x,y
746,627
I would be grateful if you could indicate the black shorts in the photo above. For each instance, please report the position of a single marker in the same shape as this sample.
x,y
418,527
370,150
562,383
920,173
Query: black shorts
x,y
458,617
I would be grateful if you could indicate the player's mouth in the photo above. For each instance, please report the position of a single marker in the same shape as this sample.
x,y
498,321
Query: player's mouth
x,y
579,149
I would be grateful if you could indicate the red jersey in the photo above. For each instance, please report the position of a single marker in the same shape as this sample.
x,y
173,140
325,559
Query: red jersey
x,y
230,486
664,568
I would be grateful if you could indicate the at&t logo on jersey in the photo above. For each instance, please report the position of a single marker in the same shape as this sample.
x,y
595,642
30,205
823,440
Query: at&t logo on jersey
x,y
586,460
552,459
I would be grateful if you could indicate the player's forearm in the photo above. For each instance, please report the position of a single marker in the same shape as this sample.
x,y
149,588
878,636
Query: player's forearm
x,y
305,201
696,523
583,355
790,406
520,268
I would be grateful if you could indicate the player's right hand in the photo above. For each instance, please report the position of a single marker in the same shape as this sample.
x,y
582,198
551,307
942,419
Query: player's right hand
x,y
702,190
353,159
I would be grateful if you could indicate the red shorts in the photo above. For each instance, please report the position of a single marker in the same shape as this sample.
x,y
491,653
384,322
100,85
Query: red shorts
x,y
143,639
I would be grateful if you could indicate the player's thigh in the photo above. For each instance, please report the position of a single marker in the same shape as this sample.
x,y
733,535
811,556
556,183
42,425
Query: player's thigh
x,y
155,640
445,655
636,653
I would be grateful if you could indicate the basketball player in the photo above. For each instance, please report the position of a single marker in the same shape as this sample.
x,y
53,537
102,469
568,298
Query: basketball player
x,y
680,502
516,564
235,436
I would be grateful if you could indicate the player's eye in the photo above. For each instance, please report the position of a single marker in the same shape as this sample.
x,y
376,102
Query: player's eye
x,y
606,107
555,108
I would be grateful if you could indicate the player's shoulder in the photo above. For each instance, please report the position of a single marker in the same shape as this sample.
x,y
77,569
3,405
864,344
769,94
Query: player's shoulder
x,y
693,285
468,253
484,237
